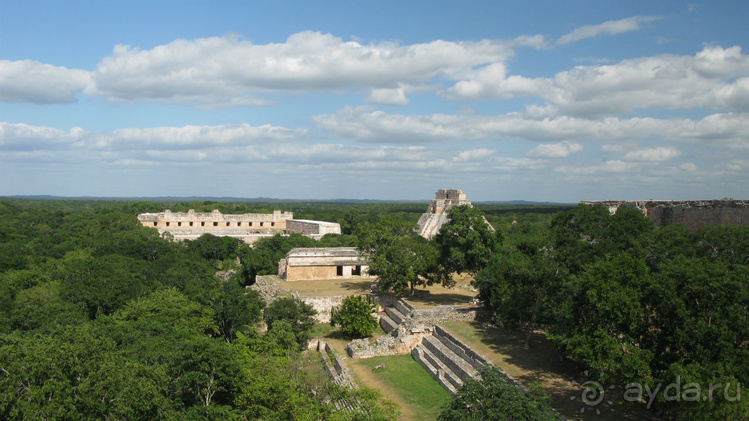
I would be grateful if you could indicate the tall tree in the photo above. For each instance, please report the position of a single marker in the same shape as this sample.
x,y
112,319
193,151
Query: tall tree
x,y
466,242
519,284
397,256
299,314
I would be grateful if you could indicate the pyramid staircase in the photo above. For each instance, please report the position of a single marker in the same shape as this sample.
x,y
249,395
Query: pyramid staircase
x,y
445,357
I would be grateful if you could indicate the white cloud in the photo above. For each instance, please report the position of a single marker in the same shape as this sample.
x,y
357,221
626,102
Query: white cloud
x,y
714,78
31,81
198,136
688,166
659,154
219,69
555,150
491,82
612,27
614,166
285,148
388,97
366,125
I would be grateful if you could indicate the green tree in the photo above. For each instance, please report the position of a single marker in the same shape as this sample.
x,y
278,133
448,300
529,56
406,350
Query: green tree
x,y
495,397
518,285
466,242
299,314
397,256
354,316
237,309
404,264
76,373
215,248
589,233
102,285
600,318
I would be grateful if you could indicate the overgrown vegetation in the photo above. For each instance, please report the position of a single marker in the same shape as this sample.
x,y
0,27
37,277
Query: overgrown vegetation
x,y
96,308
494,397
634,304
102,318
354,316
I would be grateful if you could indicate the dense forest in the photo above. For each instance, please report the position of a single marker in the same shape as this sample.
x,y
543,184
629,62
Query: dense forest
x,y
101,318
104,318
634,305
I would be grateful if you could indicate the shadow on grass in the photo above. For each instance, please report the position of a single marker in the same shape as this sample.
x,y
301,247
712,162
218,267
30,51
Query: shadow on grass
x,y
439,299
360,287
542,363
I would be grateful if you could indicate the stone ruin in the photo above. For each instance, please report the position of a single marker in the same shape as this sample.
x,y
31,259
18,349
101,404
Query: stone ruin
x,y
248,227
435,217
323,263
693,214
417,332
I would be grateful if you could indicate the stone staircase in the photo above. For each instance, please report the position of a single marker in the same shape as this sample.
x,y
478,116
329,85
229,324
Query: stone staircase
x,y
447,359
429,224
395,316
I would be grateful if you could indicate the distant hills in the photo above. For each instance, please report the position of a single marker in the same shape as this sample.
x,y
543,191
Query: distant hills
x,y
176,199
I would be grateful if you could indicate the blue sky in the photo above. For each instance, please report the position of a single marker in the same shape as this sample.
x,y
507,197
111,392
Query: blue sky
x,y
545,101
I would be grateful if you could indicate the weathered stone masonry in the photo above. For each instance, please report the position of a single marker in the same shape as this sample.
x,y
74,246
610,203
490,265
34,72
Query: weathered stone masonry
x,y
435,217
302,264
248,227
692,214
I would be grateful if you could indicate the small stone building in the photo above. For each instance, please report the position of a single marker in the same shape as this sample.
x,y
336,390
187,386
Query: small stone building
x,y
302,264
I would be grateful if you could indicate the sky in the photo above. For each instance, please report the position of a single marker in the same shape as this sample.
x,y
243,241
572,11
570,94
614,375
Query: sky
x,y
390,100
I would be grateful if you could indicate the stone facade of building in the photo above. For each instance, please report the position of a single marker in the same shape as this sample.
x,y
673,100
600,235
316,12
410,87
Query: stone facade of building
x,y
693,214
248,227
302,264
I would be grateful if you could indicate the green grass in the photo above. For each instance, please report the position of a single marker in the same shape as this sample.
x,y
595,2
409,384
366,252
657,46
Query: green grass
x,y
408,379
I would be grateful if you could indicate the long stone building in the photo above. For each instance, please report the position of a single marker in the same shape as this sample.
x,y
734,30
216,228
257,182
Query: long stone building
x,y
693,214
301,264
248,227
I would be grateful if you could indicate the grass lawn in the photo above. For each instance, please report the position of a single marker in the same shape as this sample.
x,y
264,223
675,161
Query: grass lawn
x,y
403,380
325,287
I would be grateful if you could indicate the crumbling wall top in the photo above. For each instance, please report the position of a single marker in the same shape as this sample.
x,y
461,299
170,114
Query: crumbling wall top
x,y
450,194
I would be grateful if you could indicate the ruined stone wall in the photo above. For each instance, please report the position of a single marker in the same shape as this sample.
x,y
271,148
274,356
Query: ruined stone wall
x,y
692,214
446,313
269,288
334,366
323,305
409,326
315,229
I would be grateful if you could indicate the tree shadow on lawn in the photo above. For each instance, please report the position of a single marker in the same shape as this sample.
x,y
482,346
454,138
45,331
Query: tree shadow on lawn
x,y
433,300
359,287
560,377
